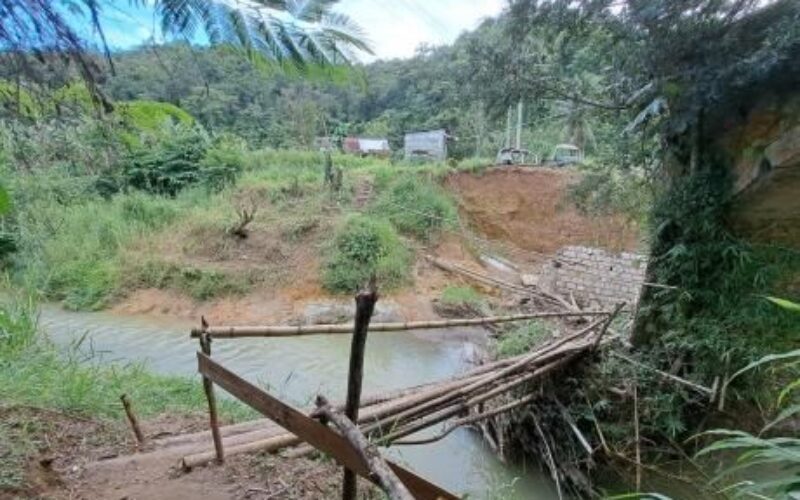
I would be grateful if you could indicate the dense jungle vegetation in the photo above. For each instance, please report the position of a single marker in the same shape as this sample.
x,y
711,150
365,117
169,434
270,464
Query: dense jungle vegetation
x,y
99,168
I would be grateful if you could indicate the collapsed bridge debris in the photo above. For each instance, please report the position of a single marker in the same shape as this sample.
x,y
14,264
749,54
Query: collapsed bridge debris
x,y
389,418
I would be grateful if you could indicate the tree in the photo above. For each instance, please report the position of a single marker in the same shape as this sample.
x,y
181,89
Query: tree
x,y
295,36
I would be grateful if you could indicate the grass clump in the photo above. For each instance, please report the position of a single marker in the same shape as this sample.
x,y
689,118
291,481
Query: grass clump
x,y
199,284
521,338
362,247
460,298
417,207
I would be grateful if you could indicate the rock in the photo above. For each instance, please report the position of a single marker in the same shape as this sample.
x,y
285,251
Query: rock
x,y
335,312
785,152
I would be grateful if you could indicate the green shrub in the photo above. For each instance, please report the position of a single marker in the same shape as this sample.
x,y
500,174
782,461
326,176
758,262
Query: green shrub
x,y
462,296
223,162
168,164
521,338
362,247
417,207
152,115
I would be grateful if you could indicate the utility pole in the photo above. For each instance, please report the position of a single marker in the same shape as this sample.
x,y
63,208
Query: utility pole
x,y
519,124
508,127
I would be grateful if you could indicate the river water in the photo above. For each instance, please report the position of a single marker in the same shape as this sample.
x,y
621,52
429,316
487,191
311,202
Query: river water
x,y
297,369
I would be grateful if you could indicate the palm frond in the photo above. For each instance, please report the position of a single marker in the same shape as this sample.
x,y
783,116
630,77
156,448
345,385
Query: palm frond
x,y
298,32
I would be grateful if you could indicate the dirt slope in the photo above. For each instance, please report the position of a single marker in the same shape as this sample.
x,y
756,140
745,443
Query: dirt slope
x,y
530,208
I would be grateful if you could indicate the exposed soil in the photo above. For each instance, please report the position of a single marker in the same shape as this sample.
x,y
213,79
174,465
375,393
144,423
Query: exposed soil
x,y
517,209
288,304
529,207
76,458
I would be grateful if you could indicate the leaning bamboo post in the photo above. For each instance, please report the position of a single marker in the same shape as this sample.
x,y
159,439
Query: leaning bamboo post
x,y
208,387
365,305
137,431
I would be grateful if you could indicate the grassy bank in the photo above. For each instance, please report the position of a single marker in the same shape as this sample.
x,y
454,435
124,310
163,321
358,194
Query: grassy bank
x,y
86,248
37,380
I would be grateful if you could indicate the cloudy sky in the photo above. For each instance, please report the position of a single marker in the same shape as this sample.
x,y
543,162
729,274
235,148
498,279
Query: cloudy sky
x,y
395,27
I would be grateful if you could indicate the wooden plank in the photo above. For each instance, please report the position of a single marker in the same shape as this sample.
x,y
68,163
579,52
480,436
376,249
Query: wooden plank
x,y
311,431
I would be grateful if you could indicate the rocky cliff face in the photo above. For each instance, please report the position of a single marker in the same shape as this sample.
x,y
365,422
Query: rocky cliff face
x,y
764,145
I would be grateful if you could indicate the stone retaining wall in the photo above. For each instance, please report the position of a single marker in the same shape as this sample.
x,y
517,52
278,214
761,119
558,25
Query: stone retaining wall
x,y
595,277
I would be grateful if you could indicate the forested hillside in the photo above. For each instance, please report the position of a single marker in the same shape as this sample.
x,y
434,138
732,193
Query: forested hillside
x,y
457,87
185,180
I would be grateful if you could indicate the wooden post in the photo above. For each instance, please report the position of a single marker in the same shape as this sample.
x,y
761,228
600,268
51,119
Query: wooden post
x,y
208,387
137,431
365,306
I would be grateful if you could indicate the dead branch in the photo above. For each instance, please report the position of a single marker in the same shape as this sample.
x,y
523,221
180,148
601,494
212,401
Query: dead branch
x,y
380,472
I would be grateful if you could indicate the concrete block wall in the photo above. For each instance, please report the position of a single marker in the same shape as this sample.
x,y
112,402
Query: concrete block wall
x,y
595,277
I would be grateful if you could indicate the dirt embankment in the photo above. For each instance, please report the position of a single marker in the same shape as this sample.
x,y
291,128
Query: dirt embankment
x,y
530,208
518,208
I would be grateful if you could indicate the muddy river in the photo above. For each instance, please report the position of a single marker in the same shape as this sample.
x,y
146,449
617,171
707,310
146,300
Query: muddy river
x,y
297,369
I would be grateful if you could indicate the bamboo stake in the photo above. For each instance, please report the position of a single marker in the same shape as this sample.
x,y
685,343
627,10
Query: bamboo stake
x,y
137,431
365,305
380,472
636,437
208,387
293,331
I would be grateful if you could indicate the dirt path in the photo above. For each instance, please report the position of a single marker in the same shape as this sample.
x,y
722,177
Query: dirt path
x,y
75,458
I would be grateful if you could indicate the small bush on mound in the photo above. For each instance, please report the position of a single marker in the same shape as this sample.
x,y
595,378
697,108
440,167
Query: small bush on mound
x,y
223,162
364,246
417,207
522,338
459,300
170,163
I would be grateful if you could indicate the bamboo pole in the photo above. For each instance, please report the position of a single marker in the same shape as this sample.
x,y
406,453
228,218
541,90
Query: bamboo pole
x,y
262,445
468,421
137,431
488,280
208,387
442,399
365,306
293,331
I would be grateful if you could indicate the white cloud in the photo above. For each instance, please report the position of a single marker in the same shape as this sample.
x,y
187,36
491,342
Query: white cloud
x,y
397,27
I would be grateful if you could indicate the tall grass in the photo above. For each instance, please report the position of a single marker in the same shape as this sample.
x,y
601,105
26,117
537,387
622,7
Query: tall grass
x,y
87,250
417,207
33,372
71,252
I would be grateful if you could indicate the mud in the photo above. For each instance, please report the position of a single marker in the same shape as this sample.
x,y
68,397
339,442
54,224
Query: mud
x,y
530,208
